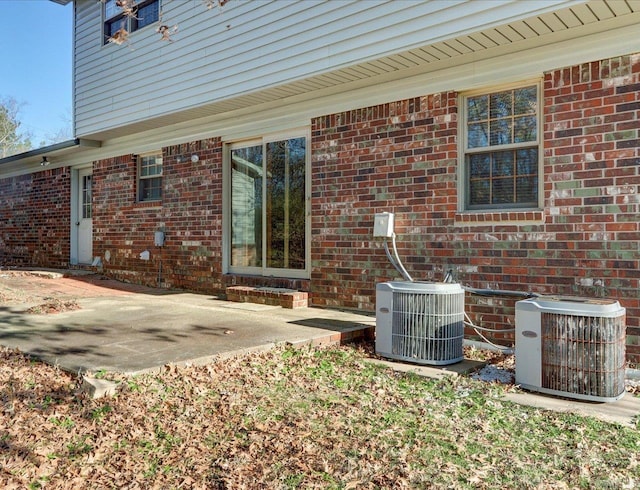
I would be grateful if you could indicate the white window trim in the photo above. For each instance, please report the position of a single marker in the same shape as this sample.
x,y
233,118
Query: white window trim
x,y
462,147
139,177
265,271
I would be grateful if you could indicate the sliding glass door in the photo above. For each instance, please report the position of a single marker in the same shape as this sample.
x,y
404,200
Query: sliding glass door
x,y
268,203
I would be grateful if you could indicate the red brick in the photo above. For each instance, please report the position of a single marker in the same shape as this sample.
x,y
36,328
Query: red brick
x,y
400,157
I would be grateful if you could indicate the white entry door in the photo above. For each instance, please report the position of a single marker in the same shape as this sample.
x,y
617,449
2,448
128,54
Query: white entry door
x,y
84,223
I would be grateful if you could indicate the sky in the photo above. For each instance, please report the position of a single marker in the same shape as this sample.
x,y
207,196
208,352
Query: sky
x,y
36,63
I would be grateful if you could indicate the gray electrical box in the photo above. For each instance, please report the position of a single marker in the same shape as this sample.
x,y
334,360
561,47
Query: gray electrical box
x,y
383,225
158,239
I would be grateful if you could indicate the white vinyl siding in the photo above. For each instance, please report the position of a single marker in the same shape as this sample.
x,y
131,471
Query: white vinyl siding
x,y
251,46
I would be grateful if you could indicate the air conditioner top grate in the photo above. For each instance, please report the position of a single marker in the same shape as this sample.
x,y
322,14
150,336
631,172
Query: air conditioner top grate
x,y
420,287
593,307
577,299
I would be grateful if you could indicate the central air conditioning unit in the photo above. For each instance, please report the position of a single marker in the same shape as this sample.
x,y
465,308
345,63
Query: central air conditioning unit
x,y
572,347
420,322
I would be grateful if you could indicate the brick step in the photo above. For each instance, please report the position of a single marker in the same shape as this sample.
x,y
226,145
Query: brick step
x,y
286,298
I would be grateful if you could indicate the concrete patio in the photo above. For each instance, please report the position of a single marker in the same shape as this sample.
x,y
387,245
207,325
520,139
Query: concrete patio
x,y
133,329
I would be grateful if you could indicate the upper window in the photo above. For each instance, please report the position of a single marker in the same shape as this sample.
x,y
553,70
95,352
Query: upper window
x,y
268,207
150,177
501,149
129,15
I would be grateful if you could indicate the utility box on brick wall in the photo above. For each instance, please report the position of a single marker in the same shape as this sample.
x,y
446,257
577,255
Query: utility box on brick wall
x,y
383,225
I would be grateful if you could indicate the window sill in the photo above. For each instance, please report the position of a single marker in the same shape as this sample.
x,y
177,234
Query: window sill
x,y
147,205
476,218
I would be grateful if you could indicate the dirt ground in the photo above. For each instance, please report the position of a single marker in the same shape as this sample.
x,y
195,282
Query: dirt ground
x,y
47,293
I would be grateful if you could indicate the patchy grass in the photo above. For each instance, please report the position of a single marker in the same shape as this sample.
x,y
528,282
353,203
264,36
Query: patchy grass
x,y
295,419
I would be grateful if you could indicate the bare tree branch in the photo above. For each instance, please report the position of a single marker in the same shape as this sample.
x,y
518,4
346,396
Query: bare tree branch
x,y
12,141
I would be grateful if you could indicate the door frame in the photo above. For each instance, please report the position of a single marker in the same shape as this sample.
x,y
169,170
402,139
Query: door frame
x,y
75,213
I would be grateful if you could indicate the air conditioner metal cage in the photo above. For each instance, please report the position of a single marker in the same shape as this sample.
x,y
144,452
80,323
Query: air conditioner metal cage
x,y
420,322
572,347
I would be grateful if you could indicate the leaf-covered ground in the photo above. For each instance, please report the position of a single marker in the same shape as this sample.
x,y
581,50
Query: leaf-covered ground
x,y
295,419
25,288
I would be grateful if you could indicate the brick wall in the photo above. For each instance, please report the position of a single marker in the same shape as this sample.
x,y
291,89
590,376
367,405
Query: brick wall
x,y
398,157
592,182
402,157
190,215
193,215
122,228
35,219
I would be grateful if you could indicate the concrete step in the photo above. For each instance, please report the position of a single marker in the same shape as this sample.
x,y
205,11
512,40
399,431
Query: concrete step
x,y
286,298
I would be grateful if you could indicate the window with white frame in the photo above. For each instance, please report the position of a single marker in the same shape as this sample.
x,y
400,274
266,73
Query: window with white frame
x,y
150,177
86,210
502,148
143,13
267,206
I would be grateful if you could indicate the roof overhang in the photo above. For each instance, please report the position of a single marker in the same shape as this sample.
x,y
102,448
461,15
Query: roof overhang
x,y
61,2
55,155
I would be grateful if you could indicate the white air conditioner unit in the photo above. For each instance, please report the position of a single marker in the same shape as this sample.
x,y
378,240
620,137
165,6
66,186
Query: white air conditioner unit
x,y
420,322
571,347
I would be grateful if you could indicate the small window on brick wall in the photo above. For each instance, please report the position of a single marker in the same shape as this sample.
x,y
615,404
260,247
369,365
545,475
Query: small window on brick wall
x,y
501,149
150,177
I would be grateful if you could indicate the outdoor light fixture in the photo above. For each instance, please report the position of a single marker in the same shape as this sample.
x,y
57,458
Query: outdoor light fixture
x,y
44,162
195,158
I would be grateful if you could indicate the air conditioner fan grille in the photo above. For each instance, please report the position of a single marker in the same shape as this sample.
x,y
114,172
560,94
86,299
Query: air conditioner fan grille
x,y
428,327
583,354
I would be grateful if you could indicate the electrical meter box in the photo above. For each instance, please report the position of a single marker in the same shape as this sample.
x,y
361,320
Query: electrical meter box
x,y
383,225
158,239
